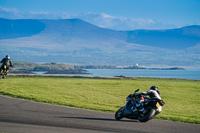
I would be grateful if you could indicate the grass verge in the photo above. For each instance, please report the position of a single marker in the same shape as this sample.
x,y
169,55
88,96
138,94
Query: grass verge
x,y
182,97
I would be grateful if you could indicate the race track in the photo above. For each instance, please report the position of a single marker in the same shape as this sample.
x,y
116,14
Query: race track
x,y
22,116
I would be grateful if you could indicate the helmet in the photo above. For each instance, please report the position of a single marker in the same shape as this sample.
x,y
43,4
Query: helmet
x,y
7,56
155,88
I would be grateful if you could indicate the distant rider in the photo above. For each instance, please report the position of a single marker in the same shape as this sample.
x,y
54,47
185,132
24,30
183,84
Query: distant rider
x,y
153,94
6,61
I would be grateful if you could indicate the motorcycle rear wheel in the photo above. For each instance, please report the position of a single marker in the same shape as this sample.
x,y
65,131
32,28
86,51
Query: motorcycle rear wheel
x,y
119,114
148,115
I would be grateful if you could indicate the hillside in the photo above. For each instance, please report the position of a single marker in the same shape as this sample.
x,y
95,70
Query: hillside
x,y
46,68
11,29
181,38
78,42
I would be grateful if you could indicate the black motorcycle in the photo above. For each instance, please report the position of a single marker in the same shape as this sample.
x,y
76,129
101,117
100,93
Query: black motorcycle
x,y
151,107
4,71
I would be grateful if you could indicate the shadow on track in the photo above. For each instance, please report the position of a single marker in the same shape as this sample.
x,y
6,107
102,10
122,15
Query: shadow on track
x,y
99,119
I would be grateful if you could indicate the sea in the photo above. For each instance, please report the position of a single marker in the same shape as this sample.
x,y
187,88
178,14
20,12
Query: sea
x,y
190,73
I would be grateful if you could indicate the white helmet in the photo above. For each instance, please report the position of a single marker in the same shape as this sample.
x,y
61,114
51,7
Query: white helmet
x,y
7,56
155,88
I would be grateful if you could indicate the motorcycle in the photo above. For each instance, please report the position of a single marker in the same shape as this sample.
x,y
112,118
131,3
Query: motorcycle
x,y
4,71
152,107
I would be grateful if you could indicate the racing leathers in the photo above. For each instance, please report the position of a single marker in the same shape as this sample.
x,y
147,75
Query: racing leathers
x,y
7,62
153,94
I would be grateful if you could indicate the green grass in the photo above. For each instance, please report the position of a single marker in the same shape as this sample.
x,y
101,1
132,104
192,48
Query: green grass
x,y
182,97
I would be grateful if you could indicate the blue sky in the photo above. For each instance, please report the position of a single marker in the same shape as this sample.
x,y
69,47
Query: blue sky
x,y
112,14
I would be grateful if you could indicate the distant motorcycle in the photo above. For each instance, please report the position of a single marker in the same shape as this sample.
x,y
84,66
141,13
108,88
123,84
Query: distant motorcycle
x,y
4,72
152,107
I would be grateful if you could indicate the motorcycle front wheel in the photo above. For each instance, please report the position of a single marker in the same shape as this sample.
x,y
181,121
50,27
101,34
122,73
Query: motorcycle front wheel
x,y
119,114
3,74
149,113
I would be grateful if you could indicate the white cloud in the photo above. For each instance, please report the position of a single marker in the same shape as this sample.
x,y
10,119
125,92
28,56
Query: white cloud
x,y
106,16
102,20
142,21
10,10
39,13
114,22
11,13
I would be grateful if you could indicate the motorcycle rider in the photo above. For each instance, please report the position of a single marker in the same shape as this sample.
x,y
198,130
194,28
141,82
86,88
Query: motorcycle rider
x,y
153,94
6,61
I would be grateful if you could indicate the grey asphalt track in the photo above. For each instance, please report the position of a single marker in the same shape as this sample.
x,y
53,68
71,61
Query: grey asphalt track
x,y
22,116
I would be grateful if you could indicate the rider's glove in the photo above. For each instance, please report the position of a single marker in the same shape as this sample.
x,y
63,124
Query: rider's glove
x,y
131,95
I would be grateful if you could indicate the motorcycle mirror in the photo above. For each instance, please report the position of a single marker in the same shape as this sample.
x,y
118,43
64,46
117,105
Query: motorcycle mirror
x,y
137,90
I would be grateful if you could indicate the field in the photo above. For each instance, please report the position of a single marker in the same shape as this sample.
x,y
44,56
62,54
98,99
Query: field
x,y
182,97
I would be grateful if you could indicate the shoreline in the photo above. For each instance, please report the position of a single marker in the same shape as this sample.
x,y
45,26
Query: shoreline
x,y
93,77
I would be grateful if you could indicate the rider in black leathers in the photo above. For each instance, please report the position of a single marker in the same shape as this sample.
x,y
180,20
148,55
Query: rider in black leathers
x,y
153,94
6,61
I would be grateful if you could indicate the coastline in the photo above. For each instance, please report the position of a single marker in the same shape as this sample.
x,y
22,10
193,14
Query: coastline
x,y
92,77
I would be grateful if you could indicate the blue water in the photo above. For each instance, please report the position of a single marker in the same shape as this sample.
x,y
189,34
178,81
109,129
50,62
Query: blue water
x,y
181,74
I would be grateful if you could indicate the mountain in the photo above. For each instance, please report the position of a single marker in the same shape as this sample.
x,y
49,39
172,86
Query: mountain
x,y
180,38
10,29
78,42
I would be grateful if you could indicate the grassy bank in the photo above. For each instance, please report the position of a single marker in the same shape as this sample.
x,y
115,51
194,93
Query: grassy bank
x,y
182,97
